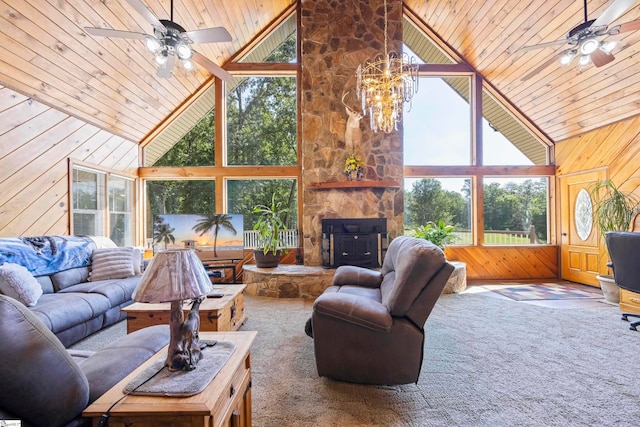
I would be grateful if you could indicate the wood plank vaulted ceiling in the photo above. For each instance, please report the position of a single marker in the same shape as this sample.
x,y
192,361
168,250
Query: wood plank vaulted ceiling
x,y
46,54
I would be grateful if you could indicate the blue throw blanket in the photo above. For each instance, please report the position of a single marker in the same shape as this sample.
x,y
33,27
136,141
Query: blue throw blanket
x,y
47,254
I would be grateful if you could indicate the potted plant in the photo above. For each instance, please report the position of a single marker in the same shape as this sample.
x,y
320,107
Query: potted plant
x,y
270,223
613,210
439,234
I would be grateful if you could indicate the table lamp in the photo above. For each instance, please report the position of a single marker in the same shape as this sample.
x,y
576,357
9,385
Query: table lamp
x,y
174,276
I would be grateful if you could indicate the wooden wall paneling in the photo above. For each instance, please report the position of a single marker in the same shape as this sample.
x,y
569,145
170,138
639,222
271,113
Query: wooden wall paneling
x,y
55,158
37,217
9,98
615,147
102,154
22,157
507,262
34,180
18,114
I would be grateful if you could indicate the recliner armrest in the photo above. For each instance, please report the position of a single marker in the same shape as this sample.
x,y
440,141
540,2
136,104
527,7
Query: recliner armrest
x,y
357,276
354,309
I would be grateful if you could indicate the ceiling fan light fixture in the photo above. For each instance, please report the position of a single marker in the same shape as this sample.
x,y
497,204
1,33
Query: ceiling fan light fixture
x,y
587,47
608,46
162,57
567,57
584,60
188,65
153,44
183,50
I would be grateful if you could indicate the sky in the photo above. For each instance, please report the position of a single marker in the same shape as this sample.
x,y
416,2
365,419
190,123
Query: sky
x,y
437,131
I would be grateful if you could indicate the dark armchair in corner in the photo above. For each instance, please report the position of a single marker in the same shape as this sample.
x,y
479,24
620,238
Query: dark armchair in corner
x,y
623,249
369,326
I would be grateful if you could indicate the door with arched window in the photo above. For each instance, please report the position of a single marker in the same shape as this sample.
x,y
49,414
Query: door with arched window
x,y
580,236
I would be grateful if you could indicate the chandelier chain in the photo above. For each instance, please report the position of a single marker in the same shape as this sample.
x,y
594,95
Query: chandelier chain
x,y
386,52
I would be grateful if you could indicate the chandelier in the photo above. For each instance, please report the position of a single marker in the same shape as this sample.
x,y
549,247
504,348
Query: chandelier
x,y
384,83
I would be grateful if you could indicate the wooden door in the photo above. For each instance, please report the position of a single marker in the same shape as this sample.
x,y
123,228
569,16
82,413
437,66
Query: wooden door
x,y
580,236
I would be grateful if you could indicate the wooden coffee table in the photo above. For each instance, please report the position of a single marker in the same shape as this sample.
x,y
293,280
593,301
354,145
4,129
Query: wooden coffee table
x,y
226,401
216,314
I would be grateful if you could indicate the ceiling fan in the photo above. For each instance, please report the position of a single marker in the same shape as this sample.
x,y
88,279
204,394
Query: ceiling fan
x,y
170,40
589,39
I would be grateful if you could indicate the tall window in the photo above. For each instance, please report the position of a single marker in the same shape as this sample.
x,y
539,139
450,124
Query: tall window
x,y
437,130
439,199
121,210
515,210
179,197
102,205
261,121
244,194
88,193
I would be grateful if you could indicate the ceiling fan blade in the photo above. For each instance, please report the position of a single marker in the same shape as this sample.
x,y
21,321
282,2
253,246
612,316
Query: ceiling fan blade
x,y
165,71
623,28
213,68
540,46
145,12
209,35
107,32
600,58
615,9
540,68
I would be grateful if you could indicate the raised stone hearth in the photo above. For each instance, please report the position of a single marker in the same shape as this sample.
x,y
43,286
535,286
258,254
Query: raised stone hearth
x,y
301,281
287,281
458,280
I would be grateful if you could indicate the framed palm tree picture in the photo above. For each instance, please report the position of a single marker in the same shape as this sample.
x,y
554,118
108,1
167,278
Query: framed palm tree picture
x,y
214,236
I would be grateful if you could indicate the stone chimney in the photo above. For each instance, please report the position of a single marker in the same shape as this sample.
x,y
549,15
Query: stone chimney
x,y
336,37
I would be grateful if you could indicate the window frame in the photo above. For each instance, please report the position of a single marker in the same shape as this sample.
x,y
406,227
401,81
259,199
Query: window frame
x,y
103,224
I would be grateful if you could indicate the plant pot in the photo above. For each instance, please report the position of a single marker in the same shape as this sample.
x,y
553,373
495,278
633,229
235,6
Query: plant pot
x,y
610,289
268,260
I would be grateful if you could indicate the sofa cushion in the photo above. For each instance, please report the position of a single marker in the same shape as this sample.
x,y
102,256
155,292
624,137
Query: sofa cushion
x,y
46,284
111,263
117,291
18,283
130,352
63,279
39,381
62,310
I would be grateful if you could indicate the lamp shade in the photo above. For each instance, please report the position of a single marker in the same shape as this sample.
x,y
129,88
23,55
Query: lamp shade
x,y
173,275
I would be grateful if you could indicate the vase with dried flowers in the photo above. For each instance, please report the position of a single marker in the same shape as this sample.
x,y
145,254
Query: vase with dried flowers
x,y
353,164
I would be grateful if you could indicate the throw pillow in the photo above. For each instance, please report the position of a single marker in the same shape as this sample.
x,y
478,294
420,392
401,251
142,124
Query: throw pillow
x,y
138,254
111,263
18,283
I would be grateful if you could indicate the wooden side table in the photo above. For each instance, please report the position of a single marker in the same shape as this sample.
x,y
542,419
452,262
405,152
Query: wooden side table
x,y
216,314
226,401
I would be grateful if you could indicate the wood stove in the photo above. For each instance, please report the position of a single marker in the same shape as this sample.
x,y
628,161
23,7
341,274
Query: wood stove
x,y
354,241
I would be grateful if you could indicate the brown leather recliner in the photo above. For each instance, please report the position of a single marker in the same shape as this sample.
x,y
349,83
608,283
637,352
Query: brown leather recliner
x,y
369,326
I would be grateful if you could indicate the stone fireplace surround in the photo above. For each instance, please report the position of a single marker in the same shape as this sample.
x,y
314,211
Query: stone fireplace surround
x,y
336,37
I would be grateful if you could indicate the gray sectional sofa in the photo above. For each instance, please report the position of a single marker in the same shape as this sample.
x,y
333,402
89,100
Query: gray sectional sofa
x,y
74,308
43,384
73,304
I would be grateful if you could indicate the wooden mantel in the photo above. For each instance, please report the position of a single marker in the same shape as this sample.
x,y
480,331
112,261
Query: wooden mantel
x,y
353,184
